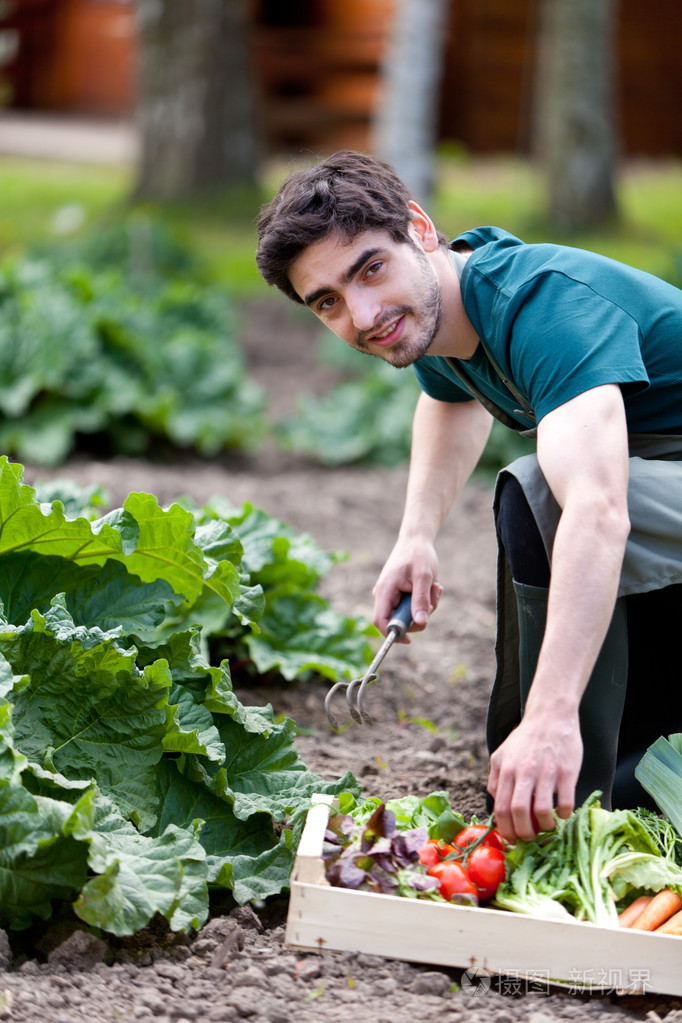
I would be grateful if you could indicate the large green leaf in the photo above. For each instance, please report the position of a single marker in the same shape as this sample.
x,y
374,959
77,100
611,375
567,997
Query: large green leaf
x,y
262,773
210,685
195,731
40,861
238,851
108,599
153,543
300,632
88,711
46,344
274,553
131,758
121,353
138,876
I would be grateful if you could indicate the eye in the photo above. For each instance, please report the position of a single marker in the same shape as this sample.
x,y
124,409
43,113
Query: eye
x,y
373,268
325,304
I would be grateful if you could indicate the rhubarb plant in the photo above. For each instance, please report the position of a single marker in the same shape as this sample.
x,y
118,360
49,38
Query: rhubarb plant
x,y
132,778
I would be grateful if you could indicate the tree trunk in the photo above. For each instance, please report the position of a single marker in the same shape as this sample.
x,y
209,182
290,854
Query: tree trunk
x,y
405,124
577,135
196,106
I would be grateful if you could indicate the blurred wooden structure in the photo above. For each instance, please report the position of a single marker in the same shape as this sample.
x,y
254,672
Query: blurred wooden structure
x,y
317,64
69,56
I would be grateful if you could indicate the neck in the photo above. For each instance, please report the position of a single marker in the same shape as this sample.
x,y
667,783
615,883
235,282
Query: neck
x,y
456,336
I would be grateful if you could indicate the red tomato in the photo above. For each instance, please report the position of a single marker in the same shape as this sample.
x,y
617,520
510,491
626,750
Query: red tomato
x,y
429,855
434,851
468,835
453,880
486,869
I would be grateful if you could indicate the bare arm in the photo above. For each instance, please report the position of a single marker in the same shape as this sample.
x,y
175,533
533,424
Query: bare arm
x,y
583,453
447,442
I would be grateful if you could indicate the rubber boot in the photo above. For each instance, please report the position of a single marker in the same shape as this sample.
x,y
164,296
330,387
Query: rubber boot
x,y
601,707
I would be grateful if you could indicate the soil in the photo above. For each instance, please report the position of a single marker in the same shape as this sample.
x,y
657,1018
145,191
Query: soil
x,y
429,711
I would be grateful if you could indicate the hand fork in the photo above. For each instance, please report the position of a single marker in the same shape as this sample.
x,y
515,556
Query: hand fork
x,y
396,629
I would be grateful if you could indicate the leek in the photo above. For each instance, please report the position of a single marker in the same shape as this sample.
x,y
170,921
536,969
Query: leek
x,y
659,772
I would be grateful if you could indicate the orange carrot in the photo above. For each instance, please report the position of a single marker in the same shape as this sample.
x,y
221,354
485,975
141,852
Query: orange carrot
x,y
673,925
660,909
631,912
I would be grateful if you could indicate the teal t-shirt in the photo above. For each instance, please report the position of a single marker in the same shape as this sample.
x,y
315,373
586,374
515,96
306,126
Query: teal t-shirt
x,y
559,321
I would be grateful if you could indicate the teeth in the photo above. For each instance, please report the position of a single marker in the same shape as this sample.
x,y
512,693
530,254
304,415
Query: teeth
x,y
386,332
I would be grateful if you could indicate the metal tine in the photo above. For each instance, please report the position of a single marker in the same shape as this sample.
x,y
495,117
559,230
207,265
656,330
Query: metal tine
x,y
354,706
331,717
349,687
369,676
362,714
397,628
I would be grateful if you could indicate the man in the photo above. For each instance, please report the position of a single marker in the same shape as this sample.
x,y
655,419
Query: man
x,y
585,351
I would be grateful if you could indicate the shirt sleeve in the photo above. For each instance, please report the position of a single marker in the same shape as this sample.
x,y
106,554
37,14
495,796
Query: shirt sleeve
x,y
566,338
438,381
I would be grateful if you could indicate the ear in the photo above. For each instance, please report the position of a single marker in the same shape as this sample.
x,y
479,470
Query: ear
x,y
422,228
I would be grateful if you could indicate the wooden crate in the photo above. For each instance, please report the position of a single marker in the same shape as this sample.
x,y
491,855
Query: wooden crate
x,y
487,942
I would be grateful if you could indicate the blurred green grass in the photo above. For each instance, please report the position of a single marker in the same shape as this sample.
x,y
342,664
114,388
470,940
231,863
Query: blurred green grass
x,y
46,200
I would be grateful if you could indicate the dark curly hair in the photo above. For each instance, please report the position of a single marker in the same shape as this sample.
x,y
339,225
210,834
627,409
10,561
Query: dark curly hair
x,y
347,193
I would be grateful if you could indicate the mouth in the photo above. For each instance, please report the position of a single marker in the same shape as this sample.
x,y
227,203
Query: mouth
x,y
389,335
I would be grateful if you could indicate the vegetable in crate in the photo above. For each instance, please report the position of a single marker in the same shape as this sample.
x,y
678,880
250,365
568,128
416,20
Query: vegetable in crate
x,y
660,773
409,847
477,854
592,864
376,856
454,882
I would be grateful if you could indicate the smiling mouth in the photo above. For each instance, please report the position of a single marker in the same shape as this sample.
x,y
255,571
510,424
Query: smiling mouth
x,y
389,335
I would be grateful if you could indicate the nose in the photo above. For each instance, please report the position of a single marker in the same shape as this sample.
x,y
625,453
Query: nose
x,y
364,307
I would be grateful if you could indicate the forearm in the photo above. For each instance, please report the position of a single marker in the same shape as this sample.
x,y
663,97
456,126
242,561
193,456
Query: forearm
x,y
591,487
447,442
586,565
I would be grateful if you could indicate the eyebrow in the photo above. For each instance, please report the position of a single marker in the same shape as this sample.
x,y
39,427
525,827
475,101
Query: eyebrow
x,y
346,277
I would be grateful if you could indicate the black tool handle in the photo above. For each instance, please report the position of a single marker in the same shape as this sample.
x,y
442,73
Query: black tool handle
x,y
402,617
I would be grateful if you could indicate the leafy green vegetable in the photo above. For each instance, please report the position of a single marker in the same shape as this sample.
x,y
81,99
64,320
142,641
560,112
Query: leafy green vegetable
x,y
367,420
377,856
132,779
433,813
660,773
128,359
297,632
590,862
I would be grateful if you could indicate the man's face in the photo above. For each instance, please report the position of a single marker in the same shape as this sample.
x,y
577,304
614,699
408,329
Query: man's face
x,y
380,296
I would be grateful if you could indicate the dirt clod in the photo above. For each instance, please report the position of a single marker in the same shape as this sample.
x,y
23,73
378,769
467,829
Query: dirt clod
x,y
79,952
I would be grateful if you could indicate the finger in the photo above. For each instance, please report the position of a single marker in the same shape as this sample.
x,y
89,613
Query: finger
x,y
542,812
493,777
521,813
422,603
386,598
436,594
565,795
501,786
